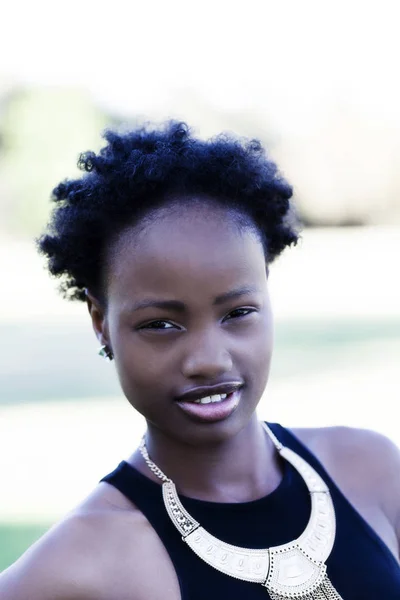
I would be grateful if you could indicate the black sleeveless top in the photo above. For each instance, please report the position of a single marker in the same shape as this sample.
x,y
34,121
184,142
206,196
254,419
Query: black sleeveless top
x,y
361,567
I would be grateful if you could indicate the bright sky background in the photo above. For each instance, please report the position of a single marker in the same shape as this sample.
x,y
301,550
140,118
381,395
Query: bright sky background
x,y
289,55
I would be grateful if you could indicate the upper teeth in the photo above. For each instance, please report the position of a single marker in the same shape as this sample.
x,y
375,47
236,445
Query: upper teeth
x,y
208,399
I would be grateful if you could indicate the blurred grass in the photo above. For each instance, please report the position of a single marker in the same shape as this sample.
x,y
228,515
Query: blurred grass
x,y
15,539
307,347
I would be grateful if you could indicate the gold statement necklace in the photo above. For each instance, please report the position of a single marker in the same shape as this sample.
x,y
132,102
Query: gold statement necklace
x,y
294,570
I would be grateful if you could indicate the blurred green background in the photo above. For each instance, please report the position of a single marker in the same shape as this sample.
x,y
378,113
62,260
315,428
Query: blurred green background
x,y
328,113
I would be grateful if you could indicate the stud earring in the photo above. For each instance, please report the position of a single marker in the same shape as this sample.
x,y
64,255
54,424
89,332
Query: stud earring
x,y
105,352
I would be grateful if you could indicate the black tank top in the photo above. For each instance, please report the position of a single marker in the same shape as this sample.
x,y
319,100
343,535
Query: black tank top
x,y
361,567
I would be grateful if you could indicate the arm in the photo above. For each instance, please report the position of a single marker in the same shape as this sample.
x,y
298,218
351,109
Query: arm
x,y
95,555
393,500
51,569
19,583
380,457
373,470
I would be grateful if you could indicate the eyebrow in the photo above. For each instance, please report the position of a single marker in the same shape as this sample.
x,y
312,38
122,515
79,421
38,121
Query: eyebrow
x,y
233,294
178,306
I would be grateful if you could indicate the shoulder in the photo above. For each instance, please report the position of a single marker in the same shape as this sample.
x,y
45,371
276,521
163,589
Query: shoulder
x,y
356,443
99,549
358,447
364,461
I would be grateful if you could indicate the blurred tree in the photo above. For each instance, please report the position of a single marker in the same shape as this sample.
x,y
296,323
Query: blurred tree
x,y
42,131
345,167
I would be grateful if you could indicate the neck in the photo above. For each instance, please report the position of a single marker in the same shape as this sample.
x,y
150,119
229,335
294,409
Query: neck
x,y
240,469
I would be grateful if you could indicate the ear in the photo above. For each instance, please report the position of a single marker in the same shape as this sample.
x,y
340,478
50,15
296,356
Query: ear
x,y
99,321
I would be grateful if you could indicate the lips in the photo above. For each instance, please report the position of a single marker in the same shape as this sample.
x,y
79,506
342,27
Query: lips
x,y
211,410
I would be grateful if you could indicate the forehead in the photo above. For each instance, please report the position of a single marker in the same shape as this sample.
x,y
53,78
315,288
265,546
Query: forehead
x,y
185,251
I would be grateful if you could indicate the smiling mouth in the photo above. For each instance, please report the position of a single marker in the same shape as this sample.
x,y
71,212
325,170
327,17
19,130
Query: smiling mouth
x,y
210,393
210,409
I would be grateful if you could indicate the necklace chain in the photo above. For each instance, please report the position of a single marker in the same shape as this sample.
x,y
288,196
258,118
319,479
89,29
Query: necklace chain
x,y
152,466
161,475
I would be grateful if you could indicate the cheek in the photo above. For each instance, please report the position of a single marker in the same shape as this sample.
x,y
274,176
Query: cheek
x,y
139,384
143,372
260,352
136,369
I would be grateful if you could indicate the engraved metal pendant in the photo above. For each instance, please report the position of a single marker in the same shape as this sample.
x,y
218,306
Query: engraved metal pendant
x,y
325,591
295,570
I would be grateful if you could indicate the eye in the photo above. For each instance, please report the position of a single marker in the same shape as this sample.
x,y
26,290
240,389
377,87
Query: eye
x,y
158,325
239,312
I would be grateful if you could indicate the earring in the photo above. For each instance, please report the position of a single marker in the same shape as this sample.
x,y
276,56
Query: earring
x,y
105,352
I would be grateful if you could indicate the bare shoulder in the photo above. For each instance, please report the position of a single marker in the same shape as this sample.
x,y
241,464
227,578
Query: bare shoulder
x,y
344,438
360,460
346,447
101,550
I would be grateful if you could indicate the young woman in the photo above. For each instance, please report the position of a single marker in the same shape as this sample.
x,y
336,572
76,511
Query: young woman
x,y
168,239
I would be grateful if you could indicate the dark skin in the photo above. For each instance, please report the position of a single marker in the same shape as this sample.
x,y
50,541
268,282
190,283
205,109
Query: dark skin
x,y
220,331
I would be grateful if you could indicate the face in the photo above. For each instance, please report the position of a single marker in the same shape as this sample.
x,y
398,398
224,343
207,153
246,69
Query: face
x,y
188,320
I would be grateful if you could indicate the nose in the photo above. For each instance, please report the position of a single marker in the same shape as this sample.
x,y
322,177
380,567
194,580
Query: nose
x,y
206,358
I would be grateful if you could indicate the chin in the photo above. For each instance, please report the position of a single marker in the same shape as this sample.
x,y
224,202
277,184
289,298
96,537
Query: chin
x,y
196,433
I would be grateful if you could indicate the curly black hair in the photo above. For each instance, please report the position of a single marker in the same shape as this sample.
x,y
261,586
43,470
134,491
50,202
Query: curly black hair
x,y
136,172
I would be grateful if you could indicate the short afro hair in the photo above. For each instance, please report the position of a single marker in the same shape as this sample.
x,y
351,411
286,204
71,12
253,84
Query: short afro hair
x,y
136,172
